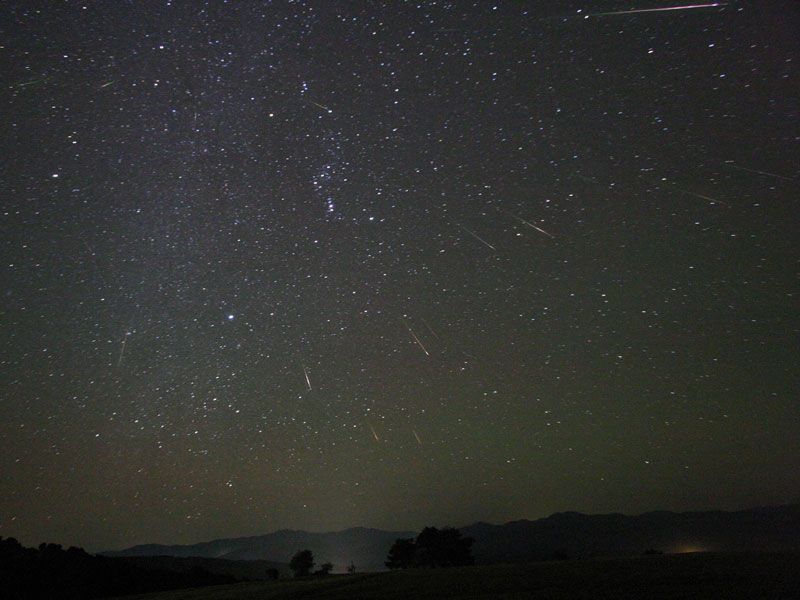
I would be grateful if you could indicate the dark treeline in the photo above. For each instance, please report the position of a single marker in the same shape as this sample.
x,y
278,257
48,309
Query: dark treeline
x,y
52,572
433,548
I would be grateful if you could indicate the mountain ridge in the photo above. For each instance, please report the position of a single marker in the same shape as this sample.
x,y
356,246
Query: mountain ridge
x,y
561,534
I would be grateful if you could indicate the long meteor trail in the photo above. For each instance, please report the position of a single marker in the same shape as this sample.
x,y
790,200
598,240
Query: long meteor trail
x,y
662,9
767,173
308,381
416,339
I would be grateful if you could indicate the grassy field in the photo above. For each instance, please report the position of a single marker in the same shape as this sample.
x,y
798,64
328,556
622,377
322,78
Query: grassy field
x,y
685,576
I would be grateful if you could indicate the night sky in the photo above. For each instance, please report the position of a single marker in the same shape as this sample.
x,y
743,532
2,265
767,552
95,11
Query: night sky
x,y
325,264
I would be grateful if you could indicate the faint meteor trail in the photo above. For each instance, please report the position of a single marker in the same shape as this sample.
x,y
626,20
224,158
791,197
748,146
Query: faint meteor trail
x,y
106,84
587,179
122,350
33,82
325,108
675,187
767,173
436,335
308,381
662,9
416,339
479,238
374,434
419,441
709,198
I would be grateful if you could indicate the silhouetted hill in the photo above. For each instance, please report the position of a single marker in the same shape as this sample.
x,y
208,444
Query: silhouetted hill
x,y
578,535
562,534
366,548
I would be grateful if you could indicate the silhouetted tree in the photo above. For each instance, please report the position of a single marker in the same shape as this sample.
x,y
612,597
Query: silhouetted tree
x,y
401,554
10,548
324,569
443,548
432,548
351,570
302,563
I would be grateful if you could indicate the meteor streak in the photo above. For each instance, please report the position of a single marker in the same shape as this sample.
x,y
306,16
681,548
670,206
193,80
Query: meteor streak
x,y
479,238
32,82
122,350
709,198
308,381
419,441
436,335
374,434
662,9
539,229
767,173
325,108
416,339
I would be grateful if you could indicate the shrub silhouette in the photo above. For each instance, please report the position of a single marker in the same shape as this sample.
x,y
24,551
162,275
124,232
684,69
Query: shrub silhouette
x,y
302,563
432,548
324,569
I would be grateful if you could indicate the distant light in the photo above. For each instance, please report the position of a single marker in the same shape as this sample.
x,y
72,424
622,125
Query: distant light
x,y
230,317
689,549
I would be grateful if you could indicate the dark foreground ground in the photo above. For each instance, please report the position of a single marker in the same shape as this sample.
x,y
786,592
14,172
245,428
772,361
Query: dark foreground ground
x,y
683,576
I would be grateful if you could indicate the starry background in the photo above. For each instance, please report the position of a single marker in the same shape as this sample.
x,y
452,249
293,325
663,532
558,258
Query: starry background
x,y
326,264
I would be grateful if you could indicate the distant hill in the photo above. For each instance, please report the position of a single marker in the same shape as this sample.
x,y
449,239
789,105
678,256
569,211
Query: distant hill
x,y
580,536
568,534
367,548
